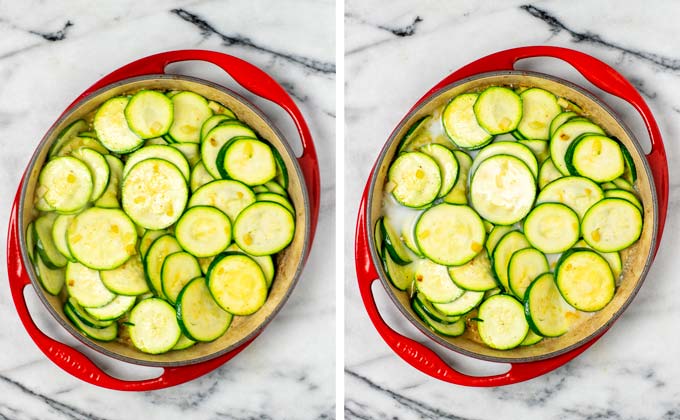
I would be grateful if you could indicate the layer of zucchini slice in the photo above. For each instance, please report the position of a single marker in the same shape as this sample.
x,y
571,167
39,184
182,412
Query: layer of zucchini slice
x,y
217,138
448,166
539,109
524,267
247,160
544,308
476,275
458,194
461,124
451,330
565,135
552,227
190,112
612,224
264,228
153,326
66,185
415,179
596,157
577,193
128,279
200,317
237,284
434,282
203,231
149,114
229,196
112,128
502,324
585,280
498,110
510,148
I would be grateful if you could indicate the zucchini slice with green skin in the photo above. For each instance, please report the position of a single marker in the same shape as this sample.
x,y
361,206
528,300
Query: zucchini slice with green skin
x,y
560,119
531,339
503,189
237,284
630,174
476,275
461,125
218,137
213,122
253,230
72,130
153,326
401,276
552,228
154,193
177,271
498,110
102,239
569,105
412,132
276,188
161,141
377,236
229,196
275,198
110,199
596,157
623,184
434,282
203,231
450,234
503,325
91,134
408,234
612,224
540,149
100,334
448,166
78,142
433,313
393,244
149,114
495,236
415,179
220,109
626,195
612,258
461,305
167,153
565,135
112,310
544,309
65,183
608,186
508,245
199,316
147,239
44,242
159,250
451,330
84,316
99,169
51,279
112,128
190,112
517,135
577,193
458,194
548,173
86,287
199,177
183,343
281,171
585,280
264,261
30,241
249,161
539,109
190,151
128,279
524,267
511,148
59,228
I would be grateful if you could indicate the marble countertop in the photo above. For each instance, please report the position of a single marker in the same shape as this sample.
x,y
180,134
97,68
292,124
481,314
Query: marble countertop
x,y
52,51
396,51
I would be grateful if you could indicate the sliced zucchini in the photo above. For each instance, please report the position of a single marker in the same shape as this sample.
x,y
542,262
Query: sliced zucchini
x,y
86,287
448,166
510,148
190,151
433,313
213,122
167,153
498,110
539,109
30,241
190,112
626,195
576,192
51,279
461,305
495,236
476,275
548,173
80,142
147,239
84,316
237,284
401,276
502,323
111,196
450,234
218,137
461,124
218,108
544,309
100,334
177,271
612,258
112,310
585,280
65,183
205,263
552,228
203,231
160,249
59,228
393,244
276,188
183,343
612,224
564,136
630,174
408,234
149,114
72,130
596,157
503,189
112,128
281,171
508,245
157,141
200,317
414,179
458,194
524,267
531,339
561,119
377,236
608,186
275,198
99,169
128,279
154,193
540,149
153,326
264,228
412,132
102,239
434,282
452,330
44,242
199,177
264,261
231,197
623,184
247,160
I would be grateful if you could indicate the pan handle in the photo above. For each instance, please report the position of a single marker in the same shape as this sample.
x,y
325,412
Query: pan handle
x,y
420,356
72,360
251,78
601,75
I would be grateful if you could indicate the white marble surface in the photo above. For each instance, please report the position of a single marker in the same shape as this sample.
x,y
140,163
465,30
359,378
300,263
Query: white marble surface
x,y
49,53
397,50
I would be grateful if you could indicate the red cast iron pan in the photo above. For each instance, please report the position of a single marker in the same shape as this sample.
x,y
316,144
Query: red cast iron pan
x,y
422,357
76,363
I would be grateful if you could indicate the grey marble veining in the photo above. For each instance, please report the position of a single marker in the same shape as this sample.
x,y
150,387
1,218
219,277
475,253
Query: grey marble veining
x,y
52,51
396,51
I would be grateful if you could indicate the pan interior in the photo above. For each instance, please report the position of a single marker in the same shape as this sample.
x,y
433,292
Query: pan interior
x,y
636,259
